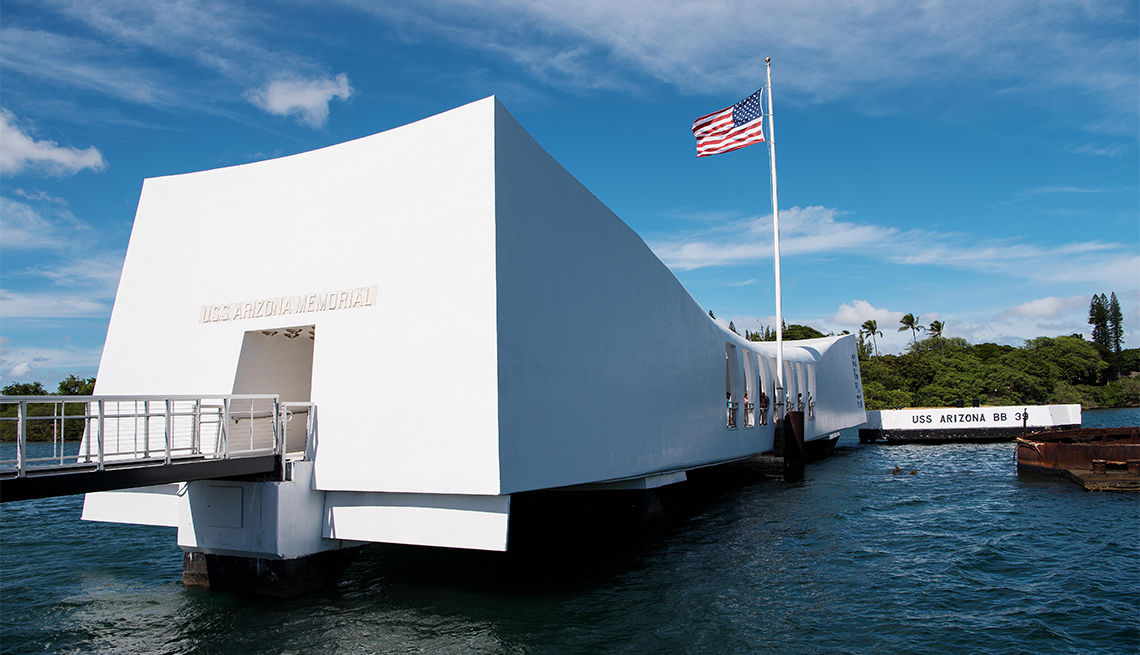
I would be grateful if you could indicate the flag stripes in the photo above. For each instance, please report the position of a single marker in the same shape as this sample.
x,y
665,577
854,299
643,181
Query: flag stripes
x,y
731,128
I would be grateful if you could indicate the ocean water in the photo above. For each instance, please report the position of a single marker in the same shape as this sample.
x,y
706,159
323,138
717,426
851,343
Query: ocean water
x,y
964,556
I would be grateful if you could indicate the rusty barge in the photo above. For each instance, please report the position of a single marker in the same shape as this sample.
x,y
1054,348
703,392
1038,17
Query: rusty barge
x,y
1099,459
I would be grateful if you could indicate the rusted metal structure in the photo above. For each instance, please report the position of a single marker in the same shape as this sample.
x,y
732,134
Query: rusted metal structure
x,y
1102,459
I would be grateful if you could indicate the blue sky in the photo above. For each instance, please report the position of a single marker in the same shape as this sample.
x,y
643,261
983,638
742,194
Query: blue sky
x,y
972,162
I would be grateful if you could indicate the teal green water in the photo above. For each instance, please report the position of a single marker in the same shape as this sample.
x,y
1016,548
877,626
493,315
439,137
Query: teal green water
x,y
963,557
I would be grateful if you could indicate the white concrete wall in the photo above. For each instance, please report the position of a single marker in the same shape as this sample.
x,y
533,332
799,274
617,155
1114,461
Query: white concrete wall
x,y
839,389
607,366
410,212
582,358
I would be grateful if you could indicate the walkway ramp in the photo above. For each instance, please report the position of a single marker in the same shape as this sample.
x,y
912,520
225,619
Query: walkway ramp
x,y
62,445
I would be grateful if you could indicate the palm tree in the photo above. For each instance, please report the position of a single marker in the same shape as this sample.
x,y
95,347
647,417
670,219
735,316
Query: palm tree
x,y
871,327
910,322
935,329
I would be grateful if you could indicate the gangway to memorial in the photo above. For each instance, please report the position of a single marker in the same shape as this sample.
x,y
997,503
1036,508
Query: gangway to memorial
x,y
67,445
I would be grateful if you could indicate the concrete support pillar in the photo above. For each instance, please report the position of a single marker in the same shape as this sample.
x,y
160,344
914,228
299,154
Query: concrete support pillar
x,y
793,430
266,577
261,538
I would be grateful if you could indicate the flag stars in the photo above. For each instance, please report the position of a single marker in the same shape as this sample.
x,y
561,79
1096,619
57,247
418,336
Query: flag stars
x,y
730,128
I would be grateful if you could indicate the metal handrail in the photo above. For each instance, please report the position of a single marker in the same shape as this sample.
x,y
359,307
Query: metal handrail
x,y
102,413
288,411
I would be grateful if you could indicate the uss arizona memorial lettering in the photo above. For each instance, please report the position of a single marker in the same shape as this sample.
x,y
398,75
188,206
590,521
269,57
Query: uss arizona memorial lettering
x,y
280,306
962,417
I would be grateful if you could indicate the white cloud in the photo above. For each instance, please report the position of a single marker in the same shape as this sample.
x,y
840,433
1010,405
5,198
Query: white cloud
x,y
307,100
48,364
819,230
18,304
21,153
38,196
98,273
51,226
861,53
85,65
1049,317
81,276
852,316
1050,307
229,42
1059,189
224,37
806,230
1114,150
822,51
1092,262
24,227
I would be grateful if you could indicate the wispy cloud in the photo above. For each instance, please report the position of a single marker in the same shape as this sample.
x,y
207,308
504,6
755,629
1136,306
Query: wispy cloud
x,y
228,38
1049,316
84,65
806,230
820,230
232,47
305,99
28,363
99,274
1059,189
1114,150
52,226
861,52
75,275
39,196
24,154
17,304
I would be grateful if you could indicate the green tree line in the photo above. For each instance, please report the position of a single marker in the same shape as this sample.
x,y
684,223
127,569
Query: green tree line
x,y
71,429
938,372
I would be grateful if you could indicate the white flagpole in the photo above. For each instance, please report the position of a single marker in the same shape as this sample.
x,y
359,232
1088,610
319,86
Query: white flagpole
x,y
776,242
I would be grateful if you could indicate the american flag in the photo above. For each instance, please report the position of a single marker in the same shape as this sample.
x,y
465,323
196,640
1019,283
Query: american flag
x,y
731,128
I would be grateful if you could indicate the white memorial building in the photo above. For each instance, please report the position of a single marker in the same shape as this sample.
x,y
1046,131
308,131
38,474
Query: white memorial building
x,y
470,323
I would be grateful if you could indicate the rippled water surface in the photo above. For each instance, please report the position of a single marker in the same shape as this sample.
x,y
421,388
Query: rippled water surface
x,y
964,556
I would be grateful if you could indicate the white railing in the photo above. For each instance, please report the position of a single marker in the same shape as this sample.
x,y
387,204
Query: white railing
x,y
299,424
93,431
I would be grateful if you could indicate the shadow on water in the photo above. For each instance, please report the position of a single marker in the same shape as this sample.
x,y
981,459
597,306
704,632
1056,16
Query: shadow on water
x,y
560,541
565,584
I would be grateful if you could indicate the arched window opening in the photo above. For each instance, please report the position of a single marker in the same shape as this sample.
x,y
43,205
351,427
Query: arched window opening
x,y
731,383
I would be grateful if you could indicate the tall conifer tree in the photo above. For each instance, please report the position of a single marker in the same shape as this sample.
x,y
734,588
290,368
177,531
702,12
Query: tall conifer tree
x,y
1098,318
1115,323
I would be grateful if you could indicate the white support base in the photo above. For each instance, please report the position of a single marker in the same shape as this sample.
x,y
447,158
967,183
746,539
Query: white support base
x,y
450,520
157,505
647,482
